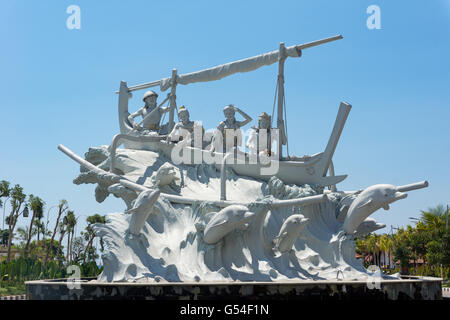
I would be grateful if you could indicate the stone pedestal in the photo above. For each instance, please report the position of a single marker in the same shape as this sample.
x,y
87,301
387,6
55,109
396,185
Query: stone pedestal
x,y
407,288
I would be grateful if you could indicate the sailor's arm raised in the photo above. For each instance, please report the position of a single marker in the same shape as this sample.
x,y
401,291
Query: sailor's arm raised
x,y
247,120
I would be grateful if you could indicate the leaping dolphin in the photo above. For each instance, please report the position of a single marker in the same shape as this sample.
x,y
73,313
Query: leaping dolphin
x,y
367,202
225,221
143,206
289,232
367,226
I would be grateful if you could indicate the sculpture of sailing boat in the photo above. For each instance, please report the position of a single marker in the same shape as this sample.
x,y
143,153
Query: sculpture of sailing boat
x,y
291,170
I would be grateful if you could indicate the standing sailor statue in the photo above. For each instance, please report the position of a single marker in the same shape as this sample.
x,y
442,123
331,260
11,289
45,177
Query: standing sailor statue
x,y
260,139
228,131
151,114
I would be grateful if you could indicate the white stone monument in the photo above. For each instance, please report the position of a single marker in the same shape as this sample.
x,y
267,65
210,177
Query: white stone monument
x,y
178,227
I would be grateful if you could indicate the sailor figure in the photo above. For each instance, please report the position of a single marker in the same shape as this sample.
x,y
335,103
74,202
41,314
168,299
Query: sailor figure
x,y
151,114
230,128
185,129
254,142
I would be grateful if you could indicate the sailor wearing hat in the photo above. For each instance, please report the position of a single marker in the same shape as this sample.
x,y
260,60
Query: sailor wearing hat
x,y
150,122
254,142
230,127
185,128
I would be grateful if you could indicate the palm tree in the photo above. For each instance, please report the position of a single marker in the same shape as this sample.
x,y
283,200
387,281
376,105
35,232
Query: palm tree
x,y
77,249
4,189
89,234
361,248
4,234
401,250
23,234
372,246
4,192
434,217
70,227
17,199
62,231
437,245
390,247
37,207
42,230
385,245
62,208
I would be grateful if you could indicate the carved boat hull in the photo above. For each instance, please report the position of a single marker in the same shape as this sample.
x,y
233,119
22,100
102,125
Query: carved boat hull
x,y
296,172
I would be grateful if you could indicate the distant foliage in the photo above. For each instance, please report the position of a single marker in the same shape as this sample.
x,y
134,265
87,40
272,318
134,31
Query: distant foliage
x,y
25,269
423,249
41,249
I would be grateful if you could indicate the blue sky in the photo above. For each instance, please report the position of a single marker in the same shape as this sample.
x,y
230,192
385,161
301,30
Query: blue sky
x,y
57,85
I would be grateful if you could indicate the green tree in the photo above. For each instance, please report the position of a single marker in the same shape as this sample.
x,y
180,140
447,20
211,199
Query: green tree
x,y
362,249
77,250
385,245
62,207
4,193
4,189
401,250
70,227
37,207
90,235
23,234
64,228
17,199
434,216
372,247
4,235
41,230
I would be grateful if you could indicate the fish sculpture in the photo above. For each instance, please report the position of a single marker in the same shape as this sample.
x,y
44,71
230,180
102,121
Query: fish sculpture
x,y
289,232
226,220
142,208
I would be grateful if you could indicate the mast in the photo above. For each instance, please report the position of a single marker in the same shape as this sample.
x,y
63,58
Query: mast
x,y
173,99
280,120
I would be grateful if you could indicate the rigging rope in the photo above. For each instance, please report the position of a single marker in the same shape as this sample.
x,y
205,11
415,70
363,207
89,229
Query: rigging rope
x,y
286,125
274,102
164,115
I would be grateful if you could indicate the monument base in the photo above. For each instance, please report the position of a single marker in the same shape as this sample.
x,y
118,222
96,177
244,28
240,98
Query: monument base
x,y
407,288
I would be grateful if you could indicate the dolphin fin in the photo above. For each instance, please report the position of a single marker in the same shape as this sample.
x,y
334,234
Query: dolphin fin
x,y
386,206
365,204
220,222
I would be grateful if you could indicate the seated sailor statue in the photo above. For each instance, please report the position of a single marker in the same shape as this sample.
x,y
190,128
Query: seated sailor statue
x,y
260,139
151,114
229,129
186,129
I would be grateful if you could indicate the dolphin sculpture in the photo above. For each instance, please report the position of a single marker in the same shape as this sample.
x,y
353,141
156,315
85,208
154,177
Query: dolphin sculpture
x,y
226,220
289,232
367,226
367,202
143,206
373,198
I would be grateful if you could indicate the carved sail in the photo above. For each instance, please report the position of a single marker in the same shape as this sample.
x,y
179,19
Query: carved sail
x,y
224,70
